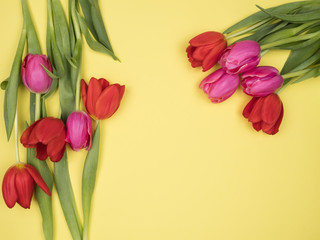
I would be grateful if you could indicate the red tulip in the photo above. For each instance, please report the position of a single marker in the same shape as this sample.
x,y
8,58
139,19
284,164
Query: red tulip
x,y
100,98
205,49
265,113
48,136
18,185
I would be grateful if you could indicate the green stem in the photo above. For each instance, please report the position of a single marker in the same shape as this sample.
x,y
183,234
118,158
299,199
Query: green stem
x,y
289,40
38,106
247,30
16,137
295,74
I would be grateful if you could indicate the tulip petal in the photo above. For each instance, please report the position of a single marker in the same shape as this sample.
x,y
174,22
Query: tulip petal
x,y
108,103
84,89
257,126
48,129
255,115
56,145
206,38
276,126
247,110
9,192
271,109
37,178
28,138
103,83
25,187
89,124
212,58
94,91
200,52
58,156
41,151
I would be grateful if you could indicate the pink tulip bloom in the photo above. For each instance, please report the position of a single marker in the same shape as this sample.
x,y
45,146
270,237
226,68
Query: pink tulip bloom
x,y
261,81
34,77
240,57
220,85
79,131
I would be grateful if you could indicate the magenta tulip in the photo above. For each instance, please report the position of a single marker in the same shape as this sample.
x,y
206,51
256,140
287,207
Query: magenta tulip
x,y
261,81
220,85
79,131
240,57
34,77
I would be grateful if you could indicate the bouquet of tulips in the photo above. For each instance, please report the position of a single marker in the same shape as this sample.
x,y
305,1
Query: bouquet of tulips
x,y
293,26
46,136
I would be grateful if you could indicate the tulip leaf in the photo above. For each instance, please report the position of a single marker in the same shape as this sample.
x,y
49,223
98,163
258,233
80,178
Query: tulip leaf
x,y
66,197
311,74
4,84
11,93
260,16
296,18
86,9
89,179
297,57
99,26
93,44
44,201
307,63
50,74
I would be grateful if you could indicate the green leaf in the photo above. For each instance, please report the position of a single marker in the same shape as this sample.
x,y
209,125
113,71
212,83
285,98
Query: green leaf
x,y
93,44
4,84
89,179
295,18
99,26
66,197
311,74
11,93
50,74
33,41
307,63
44,201
260,16
297,57
86,9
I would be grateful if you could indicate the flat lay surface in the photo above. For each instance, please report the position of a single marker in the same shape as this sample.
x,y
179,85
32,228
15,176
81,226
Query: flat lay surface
x,y
173,165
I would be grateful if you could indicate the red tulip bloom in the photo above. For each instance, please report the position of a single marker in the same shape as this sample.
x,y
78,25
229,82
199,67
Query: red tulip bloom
x,y
18,185
265,113
100,98
48,136
205,49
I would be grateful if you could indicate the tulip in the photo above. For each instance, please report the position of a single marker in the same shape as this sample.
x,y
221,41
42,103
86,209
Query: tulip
x,y
220,85
261,81
48,136
101,99
240,57
34,77
205,49
79,131
265,113
18,185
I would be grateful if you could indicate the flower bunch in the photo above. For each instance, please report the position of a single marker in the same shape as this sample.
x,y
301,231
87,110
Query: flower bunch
x,y
49,137
292,26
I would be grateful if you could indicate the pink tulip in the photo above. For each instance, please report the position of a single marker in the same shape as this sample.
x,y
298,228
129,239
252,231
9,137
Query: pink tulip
x,y
220,85
240,57
261,81
34,76
79,131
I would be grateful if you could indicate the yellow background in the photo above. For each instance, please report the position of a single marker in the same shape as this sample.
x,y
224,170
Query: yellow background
x,y
173,165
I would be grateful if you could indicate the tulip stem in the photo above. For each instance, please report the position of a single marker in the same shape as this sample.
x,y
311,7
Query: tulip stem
x,y
247,30
38,105
295,74
16,137
289,40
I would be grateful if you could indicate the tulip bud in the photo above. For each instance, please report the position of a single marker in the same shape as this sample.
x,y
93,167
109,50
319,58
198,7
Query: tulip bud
x,y
18,185
261,81
240,57
34,77
79,131
205,49
100,98
265,113
220,85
